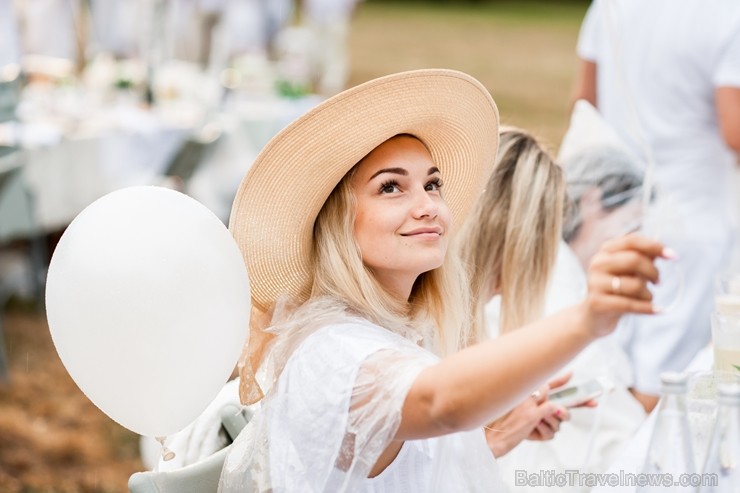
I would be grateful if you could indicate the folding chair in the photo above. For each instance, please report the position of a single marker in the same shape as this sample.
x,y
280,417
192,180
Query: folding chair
x,y
201,477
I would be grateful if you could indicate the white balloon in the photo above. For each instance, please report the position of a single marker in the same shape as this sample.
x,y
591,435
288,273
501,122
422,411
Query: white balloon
x,y
147,299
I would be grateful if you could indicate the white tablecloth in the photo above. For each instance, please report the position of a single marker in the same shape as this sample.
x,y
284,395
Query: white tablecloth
x,y
67,173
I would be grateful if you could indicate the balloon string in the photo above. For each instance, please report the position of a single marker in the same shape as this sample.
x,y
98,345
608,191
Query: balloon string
x,y
167,454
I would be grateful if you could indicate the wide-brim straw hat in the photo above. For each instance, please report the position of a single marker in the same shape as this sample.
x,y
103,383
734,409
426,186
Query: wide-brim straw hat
x,y
273,214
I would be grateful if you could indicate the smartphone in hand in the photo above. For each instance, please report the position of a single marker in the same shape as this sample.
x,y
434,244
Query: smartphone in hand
x,y
572,395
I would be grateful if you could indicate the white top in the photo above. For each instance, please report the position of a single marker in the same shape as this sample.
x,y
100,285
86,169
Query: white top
x,y
335,407
665,59
592,438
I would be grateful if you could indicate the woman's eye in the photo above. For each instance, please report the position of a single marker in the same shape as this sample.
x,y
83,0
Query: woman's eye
x,y
433,186
389,188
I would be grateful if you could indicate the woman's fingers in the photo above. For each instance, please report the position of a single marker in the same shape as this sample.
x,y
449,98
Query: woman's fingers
x,y
550,417
618,279
620,304
629,286
540,395
625,263
544,432
590,403
560,380
642,244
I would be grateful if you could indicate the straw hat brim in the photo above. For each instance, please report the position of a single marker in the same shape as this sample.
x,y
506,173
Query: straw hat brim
x,y
275,208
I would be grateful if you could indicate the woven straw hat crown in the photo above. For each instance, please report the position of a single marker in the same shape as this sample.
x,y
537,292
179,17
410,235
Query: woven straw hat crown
x,y
277,203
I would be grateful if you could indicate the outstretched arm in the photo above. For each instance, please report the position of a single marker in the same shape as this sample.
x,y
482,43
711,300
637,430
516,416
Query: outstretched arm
x,y
465,390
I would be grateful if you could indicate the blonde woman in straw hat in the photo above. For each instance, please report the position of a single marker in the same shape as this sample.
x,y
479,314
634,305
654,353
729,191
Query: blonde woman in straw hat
x,y
361,339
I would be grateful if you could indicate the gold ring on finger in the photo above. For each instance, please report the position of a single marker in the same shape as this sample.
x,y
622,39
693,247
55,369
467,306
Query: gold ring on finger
x,y
616,285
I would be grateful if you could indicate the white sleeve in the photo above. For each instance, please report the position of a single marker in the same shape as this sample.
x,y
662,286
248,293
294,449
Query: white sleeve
x,y
336,406
588,38
727,72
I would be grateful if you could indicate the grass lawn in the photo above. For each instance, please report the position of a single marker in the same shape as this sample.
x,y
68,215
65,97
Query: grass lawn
x,y
523,52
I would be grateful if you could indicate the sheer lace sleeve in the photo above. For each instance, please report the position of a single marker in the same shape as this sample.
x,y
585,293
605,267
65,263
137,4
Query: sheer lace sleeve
x,y
335,407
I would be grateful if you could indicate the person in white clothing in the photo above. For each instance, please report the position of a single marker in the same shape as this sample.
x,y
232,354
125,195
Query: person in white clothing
x,y
508,244
329,21
50,28
666,76
371,375
511,246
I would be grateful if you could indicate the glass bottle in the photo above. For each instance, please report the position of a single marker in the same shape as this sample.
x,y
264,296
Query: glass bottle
x,y
670,452
722,467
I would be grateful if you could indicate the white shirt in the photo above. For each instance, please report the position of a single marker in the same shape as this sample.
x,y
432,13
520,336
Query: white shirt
x,y
671,56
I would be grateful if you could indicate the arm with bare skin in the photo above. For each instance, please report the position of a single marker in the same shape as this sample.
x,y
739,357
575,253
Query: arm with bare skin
x,y
464,390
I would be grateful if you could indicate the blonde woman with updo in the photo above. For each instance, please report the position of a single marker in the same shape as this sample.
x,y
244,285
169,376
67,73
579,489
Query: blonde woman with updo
x,y
362,346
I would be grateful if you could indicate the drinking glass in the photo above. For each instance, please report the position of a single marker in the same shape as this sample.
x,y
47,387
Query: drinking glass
x,y
726,342
701,407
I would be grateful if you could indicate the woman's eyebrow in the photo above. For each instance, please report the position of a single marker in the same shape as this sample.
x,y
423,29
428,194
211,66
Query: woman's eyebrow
x,y
433,170
396,171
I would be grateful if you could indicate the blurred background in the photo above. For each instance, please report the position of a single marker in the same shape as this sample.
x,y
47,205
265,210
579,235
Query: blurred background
x,y
96,95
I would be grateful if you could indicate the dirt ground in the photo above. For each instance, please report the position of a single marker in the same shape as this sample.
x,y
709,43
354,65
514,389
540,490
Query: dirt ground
x,y
52,439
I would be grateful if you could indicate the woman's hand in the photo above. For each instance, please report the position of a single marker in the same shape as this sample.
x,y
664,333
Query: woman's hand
x,y
617,281
534,419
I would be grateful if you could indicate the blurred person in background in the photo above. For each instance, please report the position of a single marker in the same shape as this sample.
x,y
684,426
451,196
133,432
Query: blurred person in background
x,y
329,22
521,271
604,184
508,245
116,26
52,29
666,76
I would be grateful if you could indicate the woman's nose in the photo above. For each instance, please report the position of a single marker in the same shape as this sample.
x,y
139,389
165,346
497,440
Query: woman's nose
x,y
425,205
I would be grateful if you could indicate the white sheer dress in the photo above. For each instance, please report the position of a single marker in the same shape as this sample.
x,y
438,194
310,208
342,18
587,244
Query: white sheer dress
x,y
335,406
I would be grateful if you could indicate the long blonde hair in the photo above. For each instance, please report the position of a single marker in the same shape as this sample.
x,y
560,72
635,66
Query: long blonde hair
x,y
439,297
510,240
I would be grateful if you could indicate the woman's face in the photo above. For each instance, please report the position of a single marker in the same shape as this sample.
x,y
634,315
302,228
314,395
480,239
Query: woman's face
x,y
402,222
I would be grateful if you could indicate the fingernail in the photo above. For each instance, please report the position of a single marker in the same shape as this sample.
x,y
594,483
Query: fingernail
x,y
557,413
669,253
658,309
